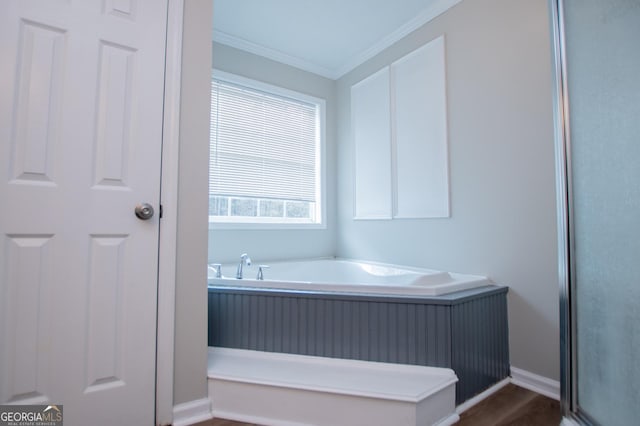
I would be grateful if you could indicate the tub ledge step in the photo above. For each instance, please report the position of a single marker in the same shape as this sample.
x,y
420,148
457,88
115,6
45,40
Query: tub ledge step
x,y
285,389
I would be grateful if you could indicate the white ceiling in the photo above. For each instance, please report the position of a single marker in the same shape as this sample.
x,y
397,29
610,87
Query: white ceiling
x,y
326,37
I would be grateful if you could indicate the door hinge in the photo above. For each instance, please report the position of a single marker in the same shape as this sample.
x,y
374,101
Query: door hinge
x,y
160,211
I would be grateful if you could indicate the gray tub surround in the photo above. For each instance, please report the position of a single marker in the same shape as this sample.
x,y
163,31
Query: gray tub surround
x,y
465,331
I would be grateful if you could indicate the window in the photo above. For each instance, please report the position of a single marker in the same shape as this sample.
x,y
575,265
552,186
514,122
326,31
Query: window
x,y
265,155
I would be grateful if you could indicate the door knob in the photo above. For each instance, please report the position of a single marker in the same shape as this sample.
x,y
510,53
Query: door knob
x,y
144,211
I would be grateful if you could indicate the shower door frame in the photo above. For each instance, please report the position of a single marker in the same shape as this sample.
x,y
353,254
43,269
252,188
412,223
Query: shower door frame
x,y
564,196
566,234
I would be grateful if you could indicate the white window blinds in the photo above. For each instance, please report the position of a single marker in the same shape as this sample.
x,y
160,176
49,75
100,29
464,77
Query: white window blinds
x,y
262,145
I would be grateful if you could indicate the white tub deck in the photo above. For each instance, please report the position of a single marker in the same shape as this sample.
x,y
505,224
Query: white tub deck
x,y
348,276
284,389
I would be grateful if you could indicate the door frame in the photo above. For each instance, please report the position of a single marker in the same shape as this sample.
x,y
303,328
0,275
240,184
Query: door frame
x,y
167,249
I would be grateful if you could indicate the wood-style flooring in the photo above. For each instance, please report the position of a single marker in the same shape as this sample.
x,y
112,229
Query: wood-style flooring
x,y
510,406
513,406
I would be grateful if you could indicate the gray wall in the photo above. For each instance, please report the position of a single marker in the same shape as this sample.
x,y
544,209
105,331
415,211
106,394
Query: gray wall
x,y
227,245
190,362
503,211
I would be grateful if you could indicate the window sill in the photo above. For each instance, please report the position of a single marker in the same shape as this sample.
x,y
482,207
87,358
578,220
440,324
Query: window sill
x,y
240,226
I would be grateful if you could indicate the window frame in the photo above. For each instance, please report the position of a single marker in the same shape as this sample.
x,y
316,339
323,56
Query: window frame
x,y
270,223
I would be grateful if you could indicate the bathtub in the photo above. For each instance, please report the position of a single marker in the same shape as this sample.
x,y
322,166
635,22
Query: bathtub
x,y
465,330
348,276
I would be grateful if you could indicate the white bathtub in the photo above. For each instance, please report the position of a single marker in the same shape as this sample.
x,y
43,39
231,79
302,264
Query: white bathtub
x,y
348,276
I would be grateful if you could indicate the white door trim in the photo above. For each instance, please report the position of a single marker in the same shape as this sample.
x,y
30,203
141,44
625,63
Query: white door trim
x,y
169,222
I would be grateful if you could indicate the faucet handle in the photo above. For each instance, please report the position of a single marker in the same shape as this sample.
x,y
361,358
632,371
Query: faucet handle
x,y
217,269
260,274
244,257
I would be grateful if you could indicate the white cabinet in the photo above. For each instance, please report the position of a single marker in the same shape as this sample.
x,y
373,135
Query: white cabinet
x,y
370,112
399,122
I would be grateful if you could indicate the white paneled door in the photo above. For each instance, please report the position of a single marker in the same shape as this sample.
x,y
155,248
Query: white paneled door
x,y
81,104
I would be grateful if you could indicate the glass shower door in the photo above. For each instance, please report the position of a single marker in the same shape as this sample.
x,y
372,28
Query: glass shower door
x,y
598,141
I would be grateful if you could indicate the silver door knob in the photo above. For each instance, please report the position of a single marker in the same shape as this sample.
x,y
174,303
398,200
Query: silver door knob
x,y
144,211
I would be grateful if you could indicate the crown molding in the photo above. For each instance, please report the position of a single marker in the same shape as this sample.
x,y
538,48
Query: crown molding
x,y
276,55
437,8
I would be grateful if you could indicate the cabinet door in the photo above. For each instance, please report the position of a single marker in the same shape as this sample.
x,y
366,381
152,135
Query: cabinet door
x,y
371,127
420,133
399,122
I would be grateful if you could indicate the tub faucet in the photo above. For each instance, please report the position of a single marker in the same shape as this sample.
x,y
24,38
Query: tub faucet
x,y
216,269
261,269
244,258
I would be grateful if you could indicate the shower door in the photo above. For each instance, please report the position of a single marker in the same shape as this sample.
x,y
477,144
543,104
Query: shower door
x,y
597,52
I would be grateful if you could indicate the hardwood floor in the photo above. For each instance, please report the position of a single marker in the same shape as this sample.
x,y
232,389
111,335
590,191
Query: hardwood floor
x,y
513,406
510,406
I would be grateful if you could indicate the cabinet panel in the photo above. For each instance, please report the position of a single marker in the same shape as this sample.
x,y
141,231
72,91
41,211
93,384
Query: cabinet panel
x,y
399,122
371,112
420,133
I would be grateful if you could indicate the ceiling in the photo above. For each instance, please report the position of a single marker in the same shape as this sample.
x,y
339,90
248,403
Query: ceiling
x,y
326,37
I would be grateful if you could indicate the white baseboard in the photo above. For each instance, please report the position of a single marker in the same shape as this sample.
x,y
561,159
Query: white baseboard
x,y
536,383
481,396
522,378
450,420
192,412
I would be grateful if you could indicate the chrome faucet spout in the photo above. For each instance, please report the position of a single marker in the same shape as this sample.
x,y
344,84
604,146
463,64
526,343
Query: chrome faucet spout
x,y
244,259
